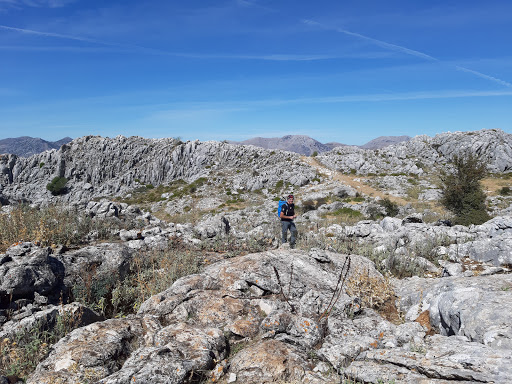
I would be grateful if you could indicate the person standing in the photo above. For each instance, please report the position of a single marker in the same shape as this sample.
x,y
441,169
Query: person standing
x,y
287,216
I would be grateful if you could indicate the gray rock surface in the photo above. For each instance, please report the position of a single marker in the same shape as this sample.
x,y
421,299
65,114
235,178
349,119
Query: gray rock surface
x,y
97,166
275,322
76,315
423,152
477,307
26,269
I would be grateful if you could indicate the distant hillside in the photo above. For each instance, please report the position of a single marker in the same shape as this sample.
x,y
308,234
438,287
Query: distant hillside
x,y
26,146
305,145
384,141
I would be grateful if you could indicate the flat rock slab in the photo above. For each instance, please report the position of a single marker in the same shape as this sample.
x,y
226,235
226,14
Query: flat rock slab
x,y
439,360
476,307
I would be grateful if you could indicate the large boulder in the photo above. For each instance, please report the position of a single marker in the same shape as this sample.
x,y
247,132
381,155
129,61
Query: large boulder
x,y
476,307
26,269
292,315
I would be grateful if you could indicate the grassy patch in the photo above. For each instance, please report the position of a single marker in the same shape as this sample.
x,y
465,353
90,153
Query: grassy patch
x,y
54,225
20,355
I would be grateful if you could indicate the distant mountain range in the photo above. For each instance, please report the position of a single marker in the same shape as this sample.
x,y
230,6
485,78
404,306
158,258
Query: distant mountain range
x,y
384,141
26,146
305,145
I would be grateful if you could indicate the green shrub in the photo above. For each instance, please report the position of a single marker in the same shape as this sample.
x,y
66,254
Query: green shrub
x,y
20,354
347,212
314,154
310,205
505,191
57,186
461,190
391,207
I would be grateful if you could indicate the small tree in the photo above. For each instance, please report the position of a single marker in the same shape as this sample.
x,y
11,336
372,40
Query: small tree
x,y
57,186
392,208
461,190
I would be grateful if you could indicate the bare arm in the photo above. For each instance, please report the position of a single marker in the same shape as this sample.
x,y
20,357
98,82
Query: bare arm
x,y
287,217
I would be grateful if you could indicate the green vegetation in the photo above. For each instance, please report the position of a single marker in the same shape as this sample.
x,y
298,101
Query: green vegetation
x,y
20,354
391,207
57,186
148,193
505,191
150,272
347,212
462,192
310,205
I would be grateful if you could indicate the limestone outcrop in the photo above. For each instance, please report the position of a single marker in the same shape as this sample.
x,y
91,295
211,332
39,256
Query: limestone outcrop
x,y
262,318
421,153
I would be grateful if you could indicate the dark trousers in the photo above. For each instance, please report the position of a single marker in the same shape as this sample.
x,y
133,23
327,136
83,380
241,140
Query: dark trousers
x,y
289,225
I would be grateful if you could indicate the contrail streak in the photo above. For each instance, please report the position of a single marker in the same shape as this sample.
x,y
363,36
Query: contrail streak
x,y
408,51
484,76
50,34
276,57
380,43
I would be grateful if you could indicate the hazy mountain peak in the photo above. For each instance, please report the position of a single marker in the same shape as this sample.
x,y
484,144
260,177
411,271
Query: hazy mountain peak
x,y
26,146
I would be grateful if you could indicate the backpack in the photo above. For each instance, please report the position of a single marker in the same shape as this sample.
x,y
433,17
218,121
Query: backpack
x,y
280,206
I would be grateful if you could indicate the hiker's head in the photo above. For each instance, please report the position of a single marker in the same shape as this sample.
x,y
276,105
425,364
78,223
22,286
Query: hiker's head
x,y
290,199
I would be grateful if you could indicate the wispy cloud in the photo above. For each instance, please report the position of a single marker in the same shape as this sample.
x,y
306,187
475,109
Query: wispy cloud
x,y
484,76
19,4
57,35
130,48
189,108
402,49
380,43
50,48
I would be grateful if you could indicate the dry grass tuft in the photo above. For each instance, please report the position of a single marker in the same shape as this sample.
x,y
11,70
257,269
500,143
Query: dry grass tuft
x,y
20,355
54,225
374,292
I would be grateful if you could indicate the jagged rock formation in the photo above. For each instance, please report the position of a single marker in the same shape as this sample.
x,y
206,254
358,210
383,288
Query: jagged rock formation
x,y
96,166
236,321
27,146
192,327
422,153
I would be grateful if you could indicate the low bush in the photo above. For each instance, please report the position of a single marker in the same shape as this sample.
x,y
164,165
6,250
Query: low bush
x,y
345,211
57,186
505,191
151,272
391,207
20,354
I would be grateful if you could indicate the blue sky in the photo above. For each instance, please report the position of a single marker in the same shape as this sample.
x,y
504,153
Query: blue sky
x,y
345,71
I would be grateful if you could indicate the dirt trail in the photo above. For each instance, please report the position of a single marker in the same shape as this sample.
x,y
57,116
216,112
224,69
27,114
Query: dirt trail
x,y
351,181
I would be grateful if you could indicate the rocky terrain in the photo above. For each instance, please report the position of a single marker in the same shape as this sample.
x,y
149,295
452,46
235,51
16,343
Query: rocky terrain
x,y
27,146
172,270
